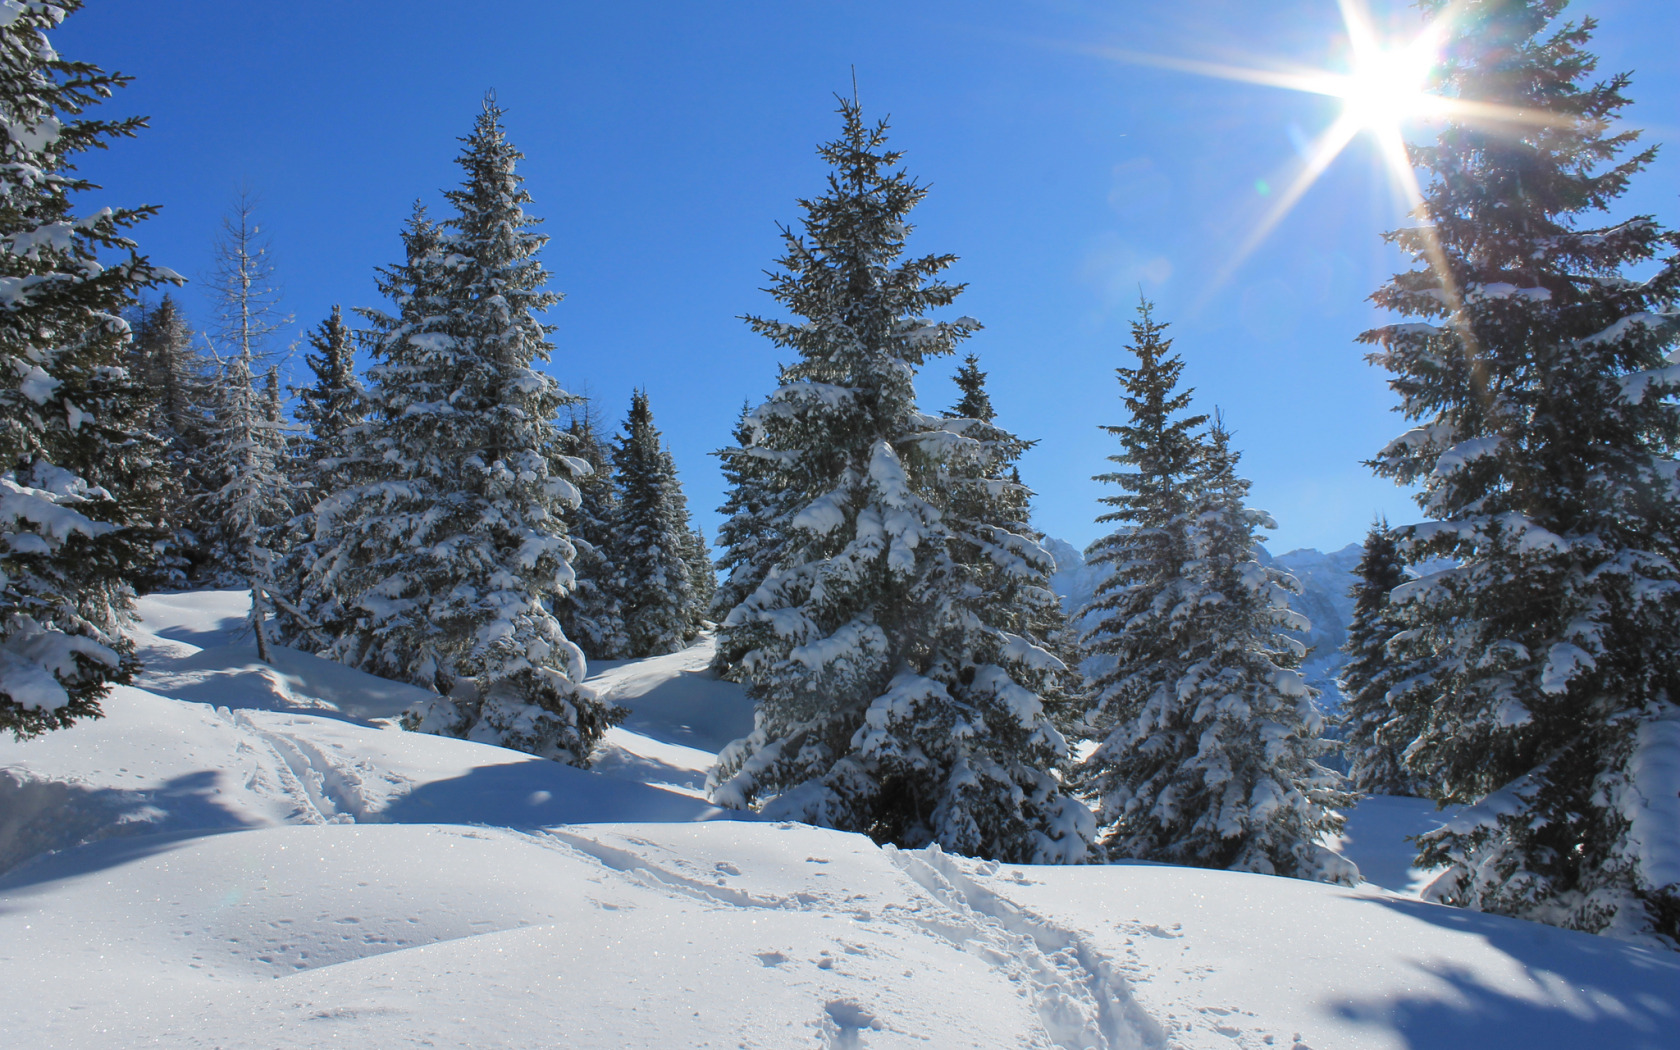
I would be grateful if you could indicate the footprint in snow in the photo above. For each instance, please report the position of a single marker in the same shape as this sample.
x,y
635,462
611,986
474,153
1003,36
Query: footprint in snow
x,y
844,1023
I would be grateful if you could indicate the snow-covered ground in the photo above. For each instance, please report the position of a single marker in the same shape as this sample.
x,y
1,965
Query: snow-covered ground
x,y
269,864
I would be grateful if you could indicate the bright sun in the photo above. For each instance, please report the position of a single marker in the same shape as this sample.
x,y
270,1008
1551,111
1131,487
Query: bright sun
x,y
1386,87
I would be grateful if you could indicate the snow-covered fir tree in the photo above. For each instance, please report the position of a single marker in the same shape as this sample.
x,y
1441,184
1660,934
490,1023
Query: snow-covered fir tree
x,y
250,501
451,554
324,598
1536,371
330,407
889,700
987,510
74,463
327,411
590,613
653,543
756,515
1208,737
1375,733
701,575
177,381
1129,649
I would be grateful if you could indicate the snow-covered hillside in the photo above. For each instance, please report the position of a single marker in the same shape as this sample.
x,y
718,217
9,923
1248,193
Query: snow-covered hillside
x,y
269,864
1324,599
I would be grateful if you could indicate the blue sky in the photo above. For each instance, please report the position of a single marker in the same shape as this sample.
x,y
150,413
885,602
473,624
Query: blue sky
x,y
664,141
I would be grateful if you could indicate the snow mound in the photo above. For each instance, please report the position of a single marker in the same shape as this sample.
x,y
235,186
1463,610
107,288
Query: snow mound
x,y
219,741
764,935
268,866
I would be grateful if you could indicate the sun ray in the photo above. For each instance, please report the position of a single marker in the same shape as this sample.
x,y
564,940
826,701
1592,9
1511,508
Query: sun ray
x,y
1325,149
1387,86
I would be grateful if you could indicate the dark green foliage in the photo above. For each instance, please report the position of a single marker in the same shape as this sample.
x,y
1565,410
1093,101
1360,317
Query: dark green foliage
x,y
654,571
78,472
1537,377
891,699
750,540
975,402
1376,731
590,613
327,411
177,389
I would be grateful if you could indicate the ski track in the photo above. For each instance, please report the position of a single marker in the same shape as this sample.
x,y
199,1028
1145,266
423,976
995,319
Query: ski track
x,y
323,791
1083,1001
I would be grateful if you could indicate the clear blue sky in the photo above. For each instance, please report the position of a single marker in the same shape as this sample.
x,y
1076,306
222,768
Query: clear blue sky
x,y
664,141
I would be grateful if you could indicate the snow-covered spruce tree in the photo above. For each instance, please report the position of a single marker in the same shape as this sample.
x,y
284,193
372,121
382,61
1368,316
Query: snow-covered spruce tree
x,y
1545,451
326,615
328,410
653,576
74,531
1208,737
331,406
1130,647
1375,735
701,574
889,701
177,384
450,555
756,515
590,613
250,503
987,509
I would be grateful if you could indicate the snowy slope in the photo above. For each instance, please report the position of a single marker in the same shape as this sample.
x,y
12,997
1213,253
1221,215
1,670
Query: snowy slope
x,y
274,869
305,741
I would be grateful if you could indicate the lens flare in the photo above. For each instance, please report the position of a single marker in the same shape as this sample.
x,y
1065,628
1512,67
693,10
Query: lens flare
x,y
1387,87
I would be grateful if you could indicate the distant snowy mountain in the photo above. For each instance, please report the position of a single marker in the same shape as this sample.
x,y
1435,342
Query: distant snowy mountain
x,y
1324,599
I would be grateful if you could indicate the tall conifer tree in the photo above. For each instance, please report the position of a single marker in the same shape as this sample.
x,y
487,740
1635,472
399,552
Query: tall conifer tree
x,y
888,699
1375,732
591,614
249,502
1208,737
654,572
987,509
448,558
1546,430
74,527
756,514
178,385
328,411
1129,646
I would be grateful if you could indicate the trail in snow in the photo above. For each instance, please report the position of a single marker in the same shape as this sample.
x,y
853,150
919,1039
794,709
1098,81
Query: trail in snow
x,y
659,931
1082,999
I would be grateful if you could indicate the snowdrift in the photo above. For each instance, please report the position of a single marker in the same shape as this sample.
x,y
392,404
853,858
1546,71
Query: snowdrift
x,y
244,856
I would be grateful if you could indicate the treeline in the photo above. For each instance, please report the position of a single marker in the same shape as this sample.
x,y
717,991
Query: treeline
x,y
450,519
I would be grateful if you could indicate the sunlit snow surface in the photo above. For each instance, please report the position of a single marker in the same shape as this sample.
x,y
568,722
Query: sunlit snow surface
x,y
274,868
